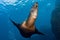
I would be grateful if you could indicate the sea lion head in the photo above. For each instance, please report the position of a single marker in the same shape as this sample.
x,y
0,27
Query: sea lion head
x,y
34,10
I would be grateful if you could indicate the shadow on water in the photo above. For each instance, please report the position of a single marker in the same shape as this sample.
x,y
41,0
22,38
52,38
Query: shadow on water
x,y
55,20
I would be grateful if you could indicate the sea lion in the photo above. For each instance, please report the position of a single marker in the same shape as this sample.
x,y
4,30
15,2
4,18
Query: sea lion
x,y
27,28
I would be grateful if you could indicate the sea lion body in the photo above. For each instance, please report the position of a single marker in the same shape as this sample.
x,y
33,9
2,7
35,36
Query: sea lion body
x,y
27,28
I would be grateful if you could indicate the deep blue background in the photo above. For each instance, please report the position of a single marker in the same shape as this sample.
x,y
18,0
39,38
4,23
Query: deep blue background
x,y
18,10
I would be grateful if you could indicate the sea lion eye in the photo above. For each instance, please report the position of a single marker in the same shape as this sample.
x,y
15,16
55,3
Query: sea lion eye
x,y
36,6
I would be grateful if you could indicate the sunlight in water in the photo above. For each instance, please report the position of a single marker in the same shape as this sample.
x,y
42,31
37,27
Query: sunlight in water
x,y
9,1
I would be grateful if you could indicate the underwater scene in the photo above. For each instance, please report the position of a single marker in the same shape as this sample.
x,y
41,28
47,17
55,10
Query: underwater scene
x,y
29,19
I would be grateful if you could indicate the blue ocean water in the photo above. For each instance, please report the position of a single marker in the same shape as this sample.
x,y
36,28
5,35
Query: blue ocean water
x,y
18,10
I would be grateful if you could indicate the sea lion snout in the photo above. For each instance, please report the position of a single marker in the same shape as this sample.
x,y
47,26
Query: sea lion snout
x,y
36,4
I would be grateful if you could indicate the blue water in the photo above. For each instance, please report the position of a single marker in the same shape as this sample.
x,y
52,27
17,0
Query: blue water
x,y
18,10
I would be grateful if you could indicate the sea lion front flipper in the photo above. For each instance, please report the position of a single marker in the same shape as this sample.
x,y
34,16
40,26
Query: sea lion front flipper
x,y
17,25
37,32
